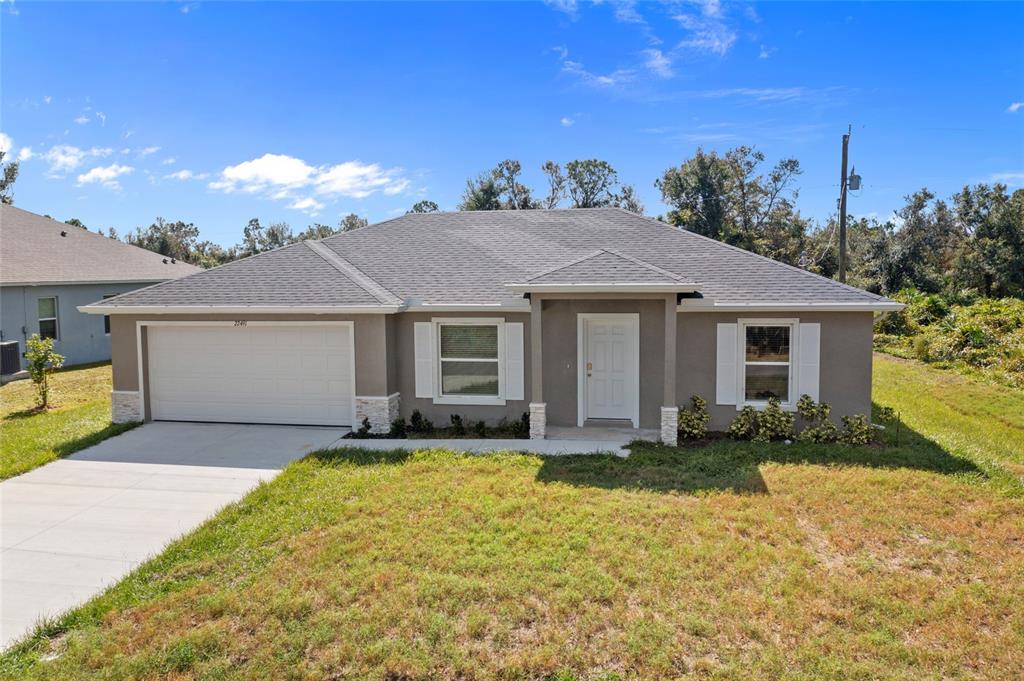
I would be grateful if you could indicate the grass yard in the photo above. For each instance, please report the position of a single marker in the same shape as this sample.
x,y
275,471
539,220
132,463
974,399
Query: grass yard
x,y
79,417
730,561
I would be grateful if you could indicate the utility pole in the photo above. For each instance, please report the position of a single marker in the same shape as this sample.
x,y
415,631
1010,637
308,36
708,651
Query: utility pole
x,y
842,209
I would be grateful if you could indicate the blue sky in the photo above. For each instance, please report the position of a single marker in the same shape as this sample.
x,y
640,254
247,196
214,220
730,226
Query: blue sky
x,y
218,112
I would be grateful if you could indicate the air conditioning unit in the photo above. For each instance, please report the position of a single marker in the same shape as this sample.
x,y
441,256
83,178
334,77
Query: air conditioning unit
x,y
10,357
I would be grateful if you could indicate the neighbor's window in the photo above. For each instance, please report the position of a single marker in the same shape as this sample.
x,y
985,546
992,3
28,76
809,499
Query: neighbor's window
x,y
766,361
47,317
106,317
469,359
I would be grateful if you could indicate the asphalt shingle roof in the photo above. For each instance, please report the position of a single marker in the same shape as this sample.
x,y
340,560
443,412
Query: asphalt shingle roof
x,y
605,267
469,257
295,275
32,251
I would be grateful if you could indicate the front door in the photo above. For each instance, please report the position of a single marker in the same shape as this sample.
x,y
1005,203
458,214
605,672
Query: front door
x,y
610,367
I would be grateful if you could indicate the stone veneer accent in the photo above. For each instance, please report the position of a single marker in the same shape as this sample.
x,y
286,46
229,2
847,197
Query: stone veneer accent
x,y
670,425
125,406
380,410
538,420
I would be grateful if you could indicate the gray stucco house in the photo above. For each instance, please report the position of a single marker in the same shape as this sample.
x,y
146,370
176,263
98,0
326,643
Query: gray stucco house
x,y
576,316
48,269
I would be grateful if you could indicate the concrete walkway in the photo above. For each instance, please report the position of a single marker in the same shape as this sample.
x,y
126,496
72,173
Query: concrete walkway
x,y
75,526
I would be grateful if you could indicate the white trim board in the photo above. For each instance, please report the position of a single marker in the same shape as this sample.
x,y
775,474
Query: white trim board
x,y
581,379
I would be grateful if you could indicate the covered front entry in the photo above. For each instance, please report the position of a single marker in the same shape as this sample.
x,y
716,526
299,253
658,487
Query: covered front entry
x,y
609,367
254,372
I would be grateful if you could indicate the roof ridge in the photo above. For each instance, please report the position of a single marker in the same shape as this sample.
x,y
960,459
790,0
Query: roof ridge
x,y
758,256
362,280
644,263
570,263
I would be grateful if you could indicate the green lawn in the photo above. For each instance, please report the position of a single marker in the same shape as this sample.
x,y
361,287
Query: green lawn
x,y
729,561
79,416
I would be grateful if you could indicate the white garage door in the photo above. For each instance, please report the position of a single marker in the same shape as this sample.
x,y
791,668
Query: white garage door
x,y
251,374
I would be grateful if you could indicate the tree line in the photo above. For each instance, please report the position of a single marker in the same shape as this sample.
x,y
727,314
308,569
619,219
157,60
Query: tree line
x,y
967,245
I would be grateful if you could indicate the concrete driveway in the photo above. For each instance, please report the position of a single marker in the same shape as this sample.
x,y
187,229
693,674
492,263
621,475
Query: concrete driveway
x,y
75,526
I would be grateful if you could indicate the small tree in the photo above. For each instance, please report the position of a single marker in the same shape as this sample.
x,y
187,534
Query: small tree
x,y
42,361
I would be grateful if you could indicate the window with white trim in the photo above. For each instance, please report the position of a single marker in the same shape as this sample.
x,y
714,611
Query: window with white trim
x,y
469,362
767,363
47,310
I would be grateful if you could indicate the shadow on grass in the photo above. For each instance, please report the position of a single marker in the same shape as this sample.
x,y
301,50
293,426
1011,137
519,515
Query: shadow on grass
x,y
720,465
79,443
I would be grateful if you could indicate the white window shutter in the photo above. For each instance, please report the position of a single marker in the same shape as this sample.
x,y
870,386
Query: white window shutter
x,y
514,365
423,336
809,360
726,378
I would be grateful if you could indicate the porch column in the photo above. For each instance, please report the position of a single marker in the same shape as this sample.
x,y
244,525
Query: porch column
x,y
538,408
670,407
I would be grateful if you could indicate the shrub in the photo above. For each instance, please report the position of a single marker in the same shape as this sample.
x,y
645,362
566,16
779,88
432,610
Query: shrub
x,y
364,428
42,361
419,424
856,430
773,423
521,427
921,350
743,426
480,428
815,416
458,427
693,423
397,428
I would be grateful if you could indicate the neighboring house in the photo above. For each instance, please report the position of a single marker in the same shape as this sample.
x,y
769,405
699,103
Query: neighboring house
x,y
48,269
577,316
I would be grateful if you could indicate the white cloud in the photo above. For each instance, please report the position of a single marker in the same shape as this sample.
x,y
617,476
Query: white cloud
x,y
64,157
768,94
47,99
603,81
658,63
103,118
279,177
765,52
25,154
567,122
307,205
6,143
708,33
569,7
105,175
82,119
186,175
1012,179
147,151
189,7
1015,107
169,161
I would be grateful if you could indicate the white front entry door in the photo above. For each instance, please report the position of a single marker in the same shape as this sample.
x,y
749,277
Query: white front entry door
x,y
610,367
299,374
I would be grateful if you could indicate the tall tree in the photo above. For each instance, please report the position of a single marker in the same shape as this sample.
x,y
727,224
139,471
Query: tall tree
x,y
990,260
351,222
317,231
556,185
482,193
926,243
516,195
172,239
627,198
75,222
424,206
698,192
8,175
725,198
591,183
257,238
